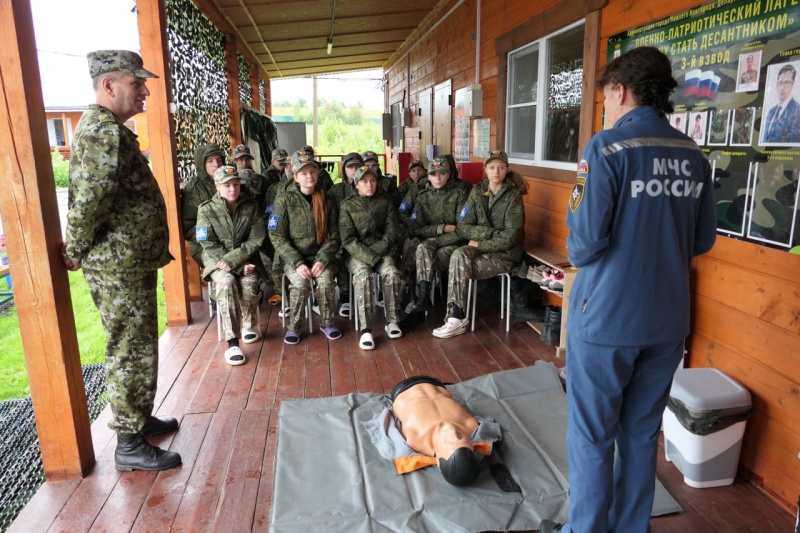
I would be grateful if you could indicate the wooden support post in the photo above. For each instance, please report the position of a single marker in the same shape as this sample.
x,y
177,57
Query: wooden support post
x,y
232,78
161,128
33,235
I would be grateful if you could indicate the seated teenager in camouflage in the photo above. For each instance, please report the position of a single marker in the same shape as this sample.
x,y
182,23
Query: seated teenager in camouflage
x,y
433,221
386,182
231,229
207,159
493,220
304,228
342,191
369,229
323,176
252,180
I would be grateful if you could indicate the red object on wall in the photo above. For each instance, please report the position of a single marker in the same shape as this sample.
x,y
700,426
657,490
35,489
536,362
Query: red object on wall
x,y
471,172
403,160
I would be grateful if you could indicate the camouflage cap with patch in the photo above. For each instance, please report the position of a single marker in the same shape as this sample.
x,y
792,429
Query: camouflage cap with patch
x,y
369,154
495,154
301,159
104,61
352,157
361,171
416,163
279,154
241,151
438,164
225,173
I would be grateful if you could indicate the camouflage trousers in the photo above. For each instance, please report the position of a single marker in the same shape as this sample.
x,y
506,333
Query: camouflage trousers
x,y
408,259
431,258
276,273
343,274
364,288
468,263
299,289
236,296
128,311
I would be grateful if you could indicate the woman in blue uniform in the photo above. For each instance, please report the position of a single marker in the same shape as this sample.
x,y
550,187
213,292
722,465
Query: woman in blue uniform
x,y
641,208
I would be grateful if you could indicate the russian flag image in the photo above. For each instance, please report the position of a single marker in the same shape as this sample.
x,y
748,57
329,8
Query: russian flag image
x,y
691,84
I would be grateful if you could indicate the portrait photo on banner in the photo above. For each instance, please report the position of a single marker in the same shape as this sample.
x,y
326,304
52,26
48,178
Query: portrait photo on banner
x,y
718,127
742,126
749,71
780,116
697,127
678,121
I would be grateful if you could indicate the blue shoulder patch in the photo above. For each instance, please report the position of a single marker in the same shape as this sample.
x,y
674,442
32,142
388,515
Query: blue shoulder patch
x,y
268,209
464,211
404,205
414,215
273,222
201,233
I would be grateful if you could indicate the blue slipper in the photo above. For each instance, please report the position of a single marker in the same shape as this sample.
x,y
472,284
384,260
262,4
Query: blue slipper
x,y
291,337
331,332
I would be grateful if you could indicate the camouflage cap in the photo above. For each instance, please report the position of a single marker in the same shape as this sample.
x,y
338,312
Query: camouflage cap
x,y
104,61
301,159
360,173
438,164
351,158
279,154
369,154
225,173
241,151
416,163
496,154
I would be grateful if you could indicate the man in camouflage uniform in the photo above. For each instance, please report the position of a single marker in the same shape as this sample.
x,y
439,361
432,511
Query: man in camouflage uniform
x,y
117,232
369,230
207,159
231,230
280,160
256,184
433,221
493,220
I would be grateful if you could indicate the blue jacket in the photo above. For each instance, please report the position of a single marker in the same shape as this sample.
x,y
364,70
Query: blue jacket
x,y
642,207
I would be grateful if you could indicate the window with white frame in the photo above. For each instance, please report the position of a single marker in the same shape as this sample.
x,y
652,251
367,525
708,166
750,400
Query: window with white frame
x,y
543,100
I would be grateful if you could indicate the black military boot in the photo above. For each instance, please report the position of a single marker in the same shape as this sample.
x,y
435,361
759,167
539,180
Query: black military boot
x,y
135,453
159,426
551,331
423,301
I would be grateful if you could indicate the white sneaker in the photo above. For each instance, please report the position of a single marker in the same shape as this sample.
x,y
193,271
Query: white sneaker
x,y
451,328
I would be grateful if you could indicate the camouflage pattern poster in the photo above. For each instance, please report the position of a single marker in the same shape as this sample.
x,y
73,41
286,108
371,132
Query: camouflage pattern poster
x,y
738,98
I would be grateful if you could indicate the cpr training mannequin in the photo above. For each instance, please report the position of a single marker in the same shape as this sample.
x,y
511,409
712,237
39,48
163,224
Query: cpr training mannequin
x,y
436,425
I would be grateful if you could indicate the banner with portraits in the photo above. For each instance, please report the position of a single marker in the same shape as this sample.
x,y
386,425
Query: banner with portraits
x,y
738,98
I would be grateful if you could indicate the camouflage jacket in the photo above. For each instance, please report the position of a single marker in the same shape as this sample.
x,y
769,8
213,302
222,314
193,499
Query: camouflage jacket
x,y
388,184
435,208
410,190
369,227
274,174
233,238
293,234
259,186
196,191
324,178
342,191
496,221
117,217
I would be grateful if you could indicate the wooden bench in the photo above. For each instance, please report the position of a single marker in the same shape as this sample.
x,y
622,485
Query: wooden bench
x,y
6,296
558,261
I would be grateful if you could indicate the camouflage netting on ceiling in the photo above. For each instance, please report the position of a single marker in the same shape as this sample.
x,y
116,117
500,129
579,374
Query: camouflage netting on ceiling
x,y
245,98
197,64
21,470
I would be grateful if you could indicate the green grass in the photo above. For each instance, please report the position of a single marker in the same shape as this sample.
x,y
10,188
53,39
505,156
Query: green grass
x,y
91,337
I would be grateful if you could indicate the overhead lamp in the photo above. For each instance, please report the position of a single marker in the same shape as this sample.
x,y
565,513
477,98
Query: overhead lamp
x,y
330,44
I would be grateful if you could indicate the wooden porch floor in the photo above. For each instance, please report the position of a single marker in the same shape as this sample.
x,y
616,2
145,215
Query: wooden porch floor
x,y
229,417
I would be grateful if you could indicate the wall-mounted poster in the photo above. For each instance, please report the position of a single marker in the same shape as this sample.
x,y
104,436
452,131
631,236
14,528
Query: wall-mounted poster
x,y
738,97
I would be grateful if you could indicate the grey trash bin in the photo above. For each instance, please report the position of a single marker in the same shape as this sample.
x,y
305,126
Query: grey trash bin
x,y
704,424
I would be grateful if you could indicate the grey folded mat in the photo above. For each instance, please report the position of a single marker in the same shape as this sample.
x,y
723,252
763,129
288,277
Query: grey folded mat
x,y
329,476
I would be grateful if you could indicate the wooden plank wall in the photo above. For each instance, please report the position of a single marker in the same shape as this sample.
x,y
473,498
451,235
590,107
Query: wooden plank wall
x,y
746,316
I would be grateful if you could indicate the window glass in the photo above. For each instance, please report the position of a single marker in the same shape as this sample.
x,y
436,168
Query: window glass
x,y
564,96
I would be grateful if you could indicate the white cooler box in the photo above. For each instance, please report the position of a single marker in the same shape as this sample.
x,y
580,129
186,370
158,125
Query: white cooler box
x,y
704,425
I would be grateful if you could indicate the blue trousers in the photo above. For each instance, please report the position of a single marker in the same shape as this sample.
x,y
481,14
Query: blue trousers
x,y
616,395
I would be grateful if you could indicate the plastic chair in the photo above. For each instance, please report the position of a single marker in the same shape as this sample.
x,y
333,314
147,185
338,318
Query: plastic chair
x,y
505,299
